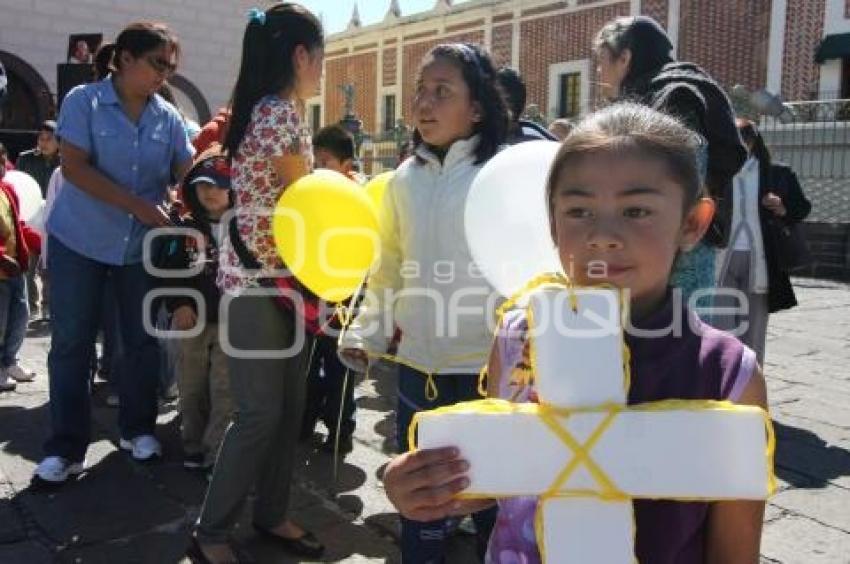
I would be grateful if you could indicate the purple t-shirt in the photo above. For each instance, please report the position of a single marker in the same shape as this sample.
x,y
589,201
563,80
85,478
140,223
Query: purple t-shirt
x,y
668,532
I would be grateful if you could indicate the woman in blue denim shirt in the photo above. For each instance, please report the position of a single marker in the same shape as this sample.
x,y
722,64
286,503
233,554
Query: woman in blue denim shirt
x,y
122,146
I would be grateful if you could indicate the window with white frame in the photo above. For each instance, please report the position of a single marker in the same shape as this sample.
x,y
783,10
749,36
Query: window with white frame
x,y
569,95
569,89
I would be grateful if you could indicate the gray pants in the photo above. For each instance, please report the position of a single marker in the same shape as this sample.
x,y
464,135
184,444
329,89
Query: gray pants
x,y
259,447
738,275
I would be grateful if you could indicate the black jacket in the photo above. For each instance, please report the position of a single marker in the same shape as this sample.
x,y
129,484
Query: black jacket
x,y
783,182
183,252
687,92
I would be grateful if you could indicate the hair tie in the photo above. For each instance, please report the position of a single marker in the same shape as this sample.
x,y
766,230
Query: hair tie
x,y
472,55
257,15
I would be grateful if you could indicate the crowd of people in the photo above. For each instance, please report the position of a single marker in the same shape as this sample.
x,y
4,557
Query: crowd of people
x,y
663,185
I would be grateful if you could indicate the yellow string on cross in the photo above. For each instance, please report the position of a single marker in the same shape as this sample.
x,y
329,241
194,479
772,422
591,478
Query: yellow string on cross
x,y
581,453
431,389
482,379
533,284
499,406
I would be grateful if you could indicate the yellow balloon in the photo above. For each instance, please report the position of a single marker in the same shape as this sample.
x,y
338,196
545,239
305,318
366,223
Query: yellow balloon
x,y
376,188
326,231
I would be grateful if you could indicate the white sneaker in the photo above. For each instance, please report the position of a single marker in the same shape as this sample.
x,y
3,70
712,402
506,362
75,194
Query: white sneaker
x,y
6,385
143,447
55,469
18,374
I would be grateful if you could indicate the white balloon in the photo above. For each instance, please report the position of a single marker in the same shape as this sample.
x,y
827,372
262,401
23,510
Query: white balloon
x,y
37,221
507,216
28,191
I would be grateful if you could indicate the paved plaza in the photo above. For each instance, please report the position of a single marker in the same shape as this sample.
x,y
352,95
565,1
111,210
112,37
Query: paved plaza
x,y
123,512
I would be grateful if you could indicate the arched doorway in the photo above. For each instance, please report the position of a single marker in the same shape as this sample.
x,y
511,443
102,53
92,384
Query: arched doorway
x,y
190,98
29,101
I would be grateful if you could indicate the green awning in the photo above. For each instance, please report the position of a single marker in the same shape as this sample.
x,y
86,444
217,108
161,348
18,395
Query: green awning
x,y
836,46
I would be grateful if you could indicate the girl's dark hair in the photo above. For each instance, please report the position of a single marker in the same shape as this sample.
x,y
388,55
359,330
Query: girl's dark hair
x,y
751,135
630,129
514,90
479,73
645,39
103,60
267,48
143,37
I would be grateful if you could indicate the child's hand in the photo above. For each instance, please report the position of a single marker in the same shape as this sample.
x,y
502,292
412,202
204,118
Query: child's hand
x,y
422,484
357,358
184,318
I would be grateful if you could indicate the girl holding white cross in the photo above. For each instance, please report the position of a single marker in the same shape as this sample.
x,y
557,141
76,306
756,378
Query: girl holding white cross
x,y
425,266
625,198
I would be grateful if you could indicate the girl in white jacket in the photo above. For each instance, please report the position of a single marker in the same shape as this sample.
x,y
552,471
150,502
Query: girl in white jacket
x,y
426,283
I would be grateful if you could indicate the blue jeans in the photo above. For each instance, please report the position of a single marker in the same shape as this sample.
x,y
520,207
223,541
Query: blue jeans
x,y
14,316
76,296
110,325
424,542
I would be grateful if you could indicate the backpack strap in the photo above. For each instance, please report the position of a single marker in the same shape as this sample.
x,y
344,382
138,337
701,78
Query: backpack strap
x,y
247,259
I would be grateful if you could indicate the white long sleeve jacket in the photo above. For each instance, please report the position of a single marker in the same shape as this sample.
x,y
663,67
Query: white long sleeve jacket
x,y
426,282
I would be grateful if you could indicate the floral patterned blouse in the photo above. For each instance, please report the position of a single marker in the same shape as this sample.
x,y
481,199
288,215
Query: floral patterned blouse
x,y
275,130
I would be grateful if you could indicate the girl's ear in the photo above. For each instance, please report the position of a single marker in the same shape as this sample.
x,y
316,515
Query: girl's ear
x,y
126,58
477,112
696,223
625,58
300,58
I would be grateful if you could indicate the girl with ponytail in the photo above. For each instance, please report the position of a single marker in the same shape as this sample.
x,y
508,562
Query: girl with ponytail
x,y
269,146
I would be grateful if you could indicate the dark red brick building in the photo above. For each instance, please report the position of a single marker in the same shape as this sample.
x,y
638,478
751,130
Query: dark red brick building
x,y
757,43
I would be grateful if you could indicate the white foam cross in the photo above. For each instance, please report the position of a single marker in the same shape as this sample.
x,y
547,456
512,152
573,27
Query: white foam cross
x,y
587,454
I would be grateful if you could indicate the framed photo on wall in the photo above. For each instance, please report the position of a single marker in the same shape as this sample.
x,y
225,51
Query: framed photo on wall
x,y
82,47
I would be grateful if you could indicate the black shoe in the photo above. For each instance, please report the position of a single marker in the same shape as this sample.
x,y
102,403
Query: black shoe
x,y
197,556
307,545
195,461
40,485
346,444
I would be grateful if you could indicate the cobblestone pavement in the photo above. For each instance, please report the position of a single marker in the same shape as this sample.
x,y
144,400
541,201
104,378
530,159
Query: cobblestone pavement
x,y
122,512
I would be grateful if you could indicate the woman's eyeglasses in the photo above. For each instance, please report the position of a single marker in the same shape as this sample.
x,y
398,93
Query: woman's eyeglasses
x,y
161,65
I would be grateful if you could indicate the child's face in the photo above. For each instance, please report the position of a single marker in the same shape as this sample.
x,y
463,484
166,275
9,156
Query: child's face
x,y
619,220
442,109
47,143
214,199
326,159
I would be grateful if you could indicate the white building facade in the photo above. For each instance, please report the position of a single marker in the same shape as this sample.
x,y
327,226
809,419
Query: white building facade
x,y
34,38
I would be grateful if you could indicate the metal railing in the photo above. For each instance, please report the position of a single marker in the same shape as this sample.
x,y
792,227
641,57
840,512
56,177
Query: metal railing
x,y
380,152
812,136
